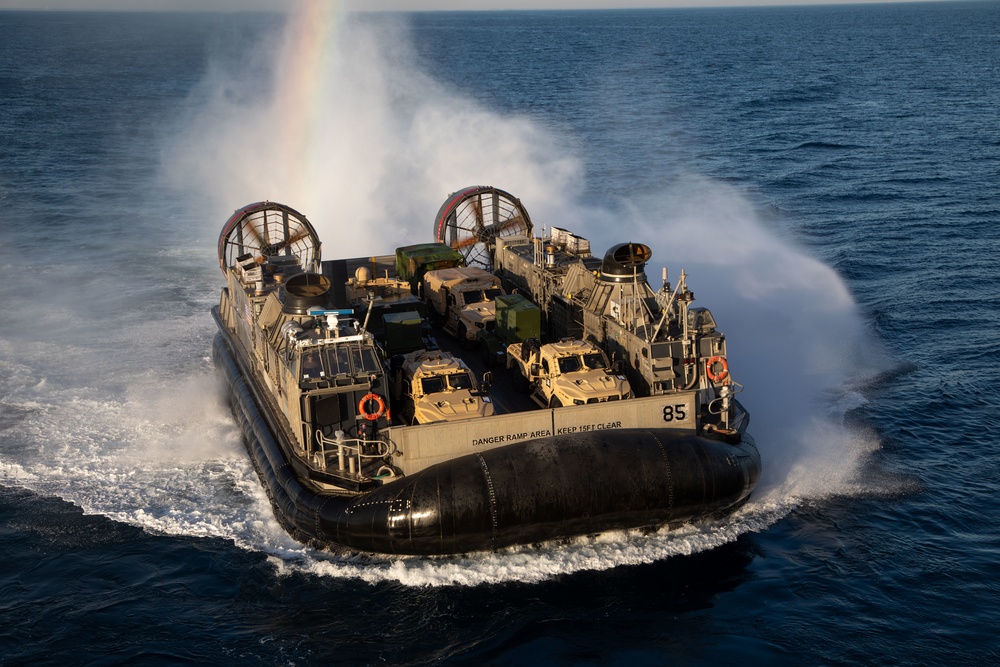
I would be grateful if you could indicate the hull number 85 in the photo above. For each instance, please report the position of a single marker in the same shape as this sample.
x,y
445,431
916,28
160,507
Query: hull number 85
x,y
676,412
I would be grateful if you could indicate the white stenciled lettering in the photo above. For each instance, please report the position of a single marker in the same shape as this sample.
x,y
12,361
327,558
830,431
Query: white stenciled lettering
x,y
586,428
489,440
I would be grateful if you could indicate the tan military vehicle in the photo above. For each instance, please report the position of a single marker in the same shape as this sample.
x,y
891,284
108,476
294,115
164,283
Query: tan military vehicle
x,y
462,301
434,386
570,372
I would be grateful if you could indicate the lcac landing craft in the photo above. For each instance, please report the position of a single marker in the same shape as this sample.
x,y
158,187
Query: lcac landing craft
x,y
486,389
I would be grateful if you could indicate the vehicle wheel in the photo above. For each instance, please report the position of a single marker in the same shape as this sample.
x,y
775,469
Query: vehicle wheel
x,y
555,402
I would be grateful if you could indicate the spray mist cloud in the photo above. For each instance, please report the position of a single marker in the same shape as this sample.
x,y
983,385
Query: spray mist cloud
x,y
343,127
795,337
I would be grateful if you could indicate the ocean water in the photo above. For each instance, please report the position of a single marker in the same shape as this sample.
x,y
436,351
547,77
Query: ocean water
x,y
828,177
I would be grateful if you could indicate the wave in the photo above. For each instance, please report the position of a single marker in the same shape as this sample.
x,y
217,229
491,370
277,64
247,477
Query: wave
x,y
823,145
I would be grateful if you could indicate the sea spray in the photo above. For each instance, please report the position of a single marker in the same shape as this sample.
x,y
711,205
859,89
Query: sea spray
x,y
795,337
355,136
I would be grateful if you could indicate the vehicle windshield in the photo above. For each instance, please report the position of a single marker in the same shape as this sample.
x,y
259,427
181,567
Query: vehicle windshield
x,y
460,381
473,297
569,364
594,361
492,294
439,383
433,385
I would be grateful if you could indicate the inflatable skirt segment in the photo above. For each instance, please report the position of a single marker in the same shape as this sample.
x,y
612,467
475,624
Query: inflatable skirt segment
x,y
527,492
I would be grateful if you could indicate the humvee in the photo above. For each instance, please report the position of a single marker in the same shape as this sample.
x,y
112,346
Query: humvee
x,y
435,386
569,372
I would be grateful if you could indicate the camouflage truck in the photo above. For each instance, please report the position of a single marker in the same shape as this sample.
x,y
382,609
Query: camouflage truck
x,y
435,386
461,301
570,372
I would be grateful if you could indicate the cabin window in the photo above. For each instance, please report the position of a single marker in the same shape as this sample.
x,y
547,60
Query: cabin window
x,y
363,360
368,356
594,360
312,366
359,366
337,358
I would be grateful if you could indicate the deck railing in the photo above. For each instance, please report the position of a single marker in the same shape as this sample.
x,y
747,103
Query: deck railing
x,y
348,454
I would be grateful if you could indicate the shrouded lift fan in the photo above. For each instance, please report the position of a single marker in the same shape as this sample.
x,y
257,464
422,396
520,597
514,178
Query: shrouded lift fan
x,y
266,229
472,219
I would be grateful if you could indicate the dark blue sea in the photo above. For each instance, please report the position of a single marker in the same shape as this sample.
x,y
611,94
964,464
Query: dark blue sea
x,y
828,177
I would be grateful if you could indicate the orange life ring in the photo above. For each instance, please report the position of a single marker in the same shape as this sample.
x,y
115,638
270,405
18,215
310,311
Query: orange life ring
x,y
721,375
363,403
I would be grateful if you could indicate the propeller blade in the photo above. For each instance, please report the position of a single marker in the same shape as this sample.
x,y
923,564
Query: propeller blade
x,y
510,223
289,241
465,243
249,227
264,228
477,208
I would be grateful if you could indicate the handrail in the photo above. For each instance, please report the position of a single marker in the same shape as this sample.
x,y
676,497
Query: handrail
x,y
351,452
725,404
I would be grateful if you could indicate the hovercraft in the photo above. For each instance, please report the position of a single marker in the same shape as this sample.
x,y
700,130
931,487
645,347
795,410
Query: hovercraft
x,y
487,389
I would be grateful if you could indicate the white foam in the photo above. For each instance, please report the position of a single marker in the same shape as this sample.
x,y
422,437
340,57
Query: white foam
x,y
540,562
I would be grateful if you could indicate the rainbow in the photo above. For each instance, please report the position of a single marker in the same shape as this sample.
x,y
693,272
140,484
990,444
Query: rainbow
x,y
304,77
